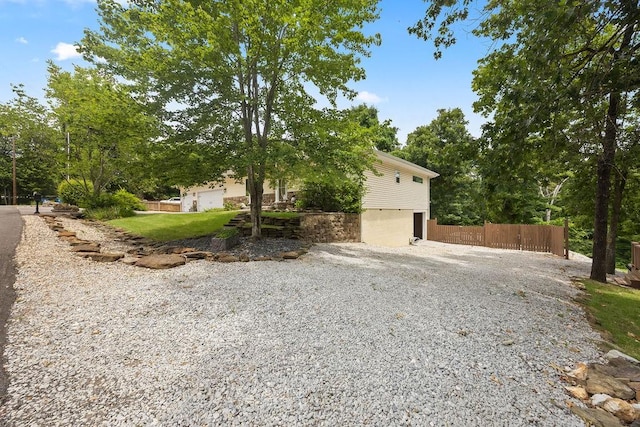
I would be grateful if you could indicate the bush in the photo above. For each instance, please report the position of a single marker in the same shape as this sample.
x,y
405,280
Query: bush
x,y
124,199
109,213
74,192
103,200
345,196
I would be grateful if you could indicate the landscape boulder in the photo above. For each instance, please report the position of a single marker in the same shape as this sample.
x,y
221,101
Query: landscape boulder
x,y
103,256
161,261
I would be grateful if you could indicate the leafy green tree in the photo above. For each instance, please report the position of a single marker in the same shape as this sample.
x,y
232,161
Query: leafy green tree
x,y
106,128
592,46
383,135
233,77
26,123
625,170
446,147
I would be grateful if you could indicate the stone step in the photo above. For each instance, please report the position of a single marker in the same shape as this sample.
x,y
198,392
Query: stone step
x,y
622,281
634,278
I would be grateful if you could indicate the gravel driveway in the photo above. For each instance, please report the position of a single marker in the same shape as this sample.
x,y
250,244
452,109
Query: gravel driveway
x,y
348,335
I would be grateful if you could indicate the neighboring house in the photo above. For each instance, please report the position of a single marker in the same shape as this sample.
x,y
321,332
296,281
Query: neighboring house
x,y
203,197
395,204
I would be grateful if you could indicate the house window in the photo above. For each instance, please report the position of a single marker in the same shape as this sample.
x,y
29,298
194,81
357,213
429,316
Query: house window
x,y
418,179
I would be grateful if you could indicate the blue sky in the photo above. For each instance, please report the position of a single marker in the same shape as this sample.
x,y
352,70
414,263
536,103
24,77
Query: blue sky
x,y
403,80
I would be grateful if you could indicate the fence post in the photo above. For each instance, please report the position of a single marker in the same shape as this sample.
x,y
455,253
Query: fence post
x,y
484,234
566,238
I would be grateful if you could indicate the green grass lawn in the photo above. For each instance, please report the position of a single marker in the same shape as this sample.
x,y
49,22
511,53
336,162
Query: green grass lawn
x,y
166,227
616,310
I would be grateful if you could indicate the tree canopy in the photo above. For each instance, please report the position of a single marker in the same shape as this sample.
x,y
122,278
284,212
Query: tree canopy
x,y
560,72
235,77
104,127
26,123
446,147
383,135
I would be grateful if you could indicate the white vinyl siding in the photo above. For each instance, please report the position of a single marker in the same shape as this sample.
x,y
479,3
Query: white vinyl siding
x,y
382,192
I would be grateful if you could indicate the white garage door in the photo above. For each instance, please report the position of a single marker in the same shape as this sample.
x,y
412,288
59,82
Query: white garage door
x,y
210,199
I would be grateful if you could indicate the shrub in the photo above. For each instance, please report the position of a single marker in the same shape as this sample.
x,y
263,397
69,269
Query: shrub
x,y
74,192
344,196
124,199
103,200
108,213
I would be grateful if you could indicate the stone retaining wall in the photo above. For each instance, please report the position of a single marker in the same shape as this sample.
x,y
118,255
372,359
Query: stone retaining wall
x,y
330,227
267,199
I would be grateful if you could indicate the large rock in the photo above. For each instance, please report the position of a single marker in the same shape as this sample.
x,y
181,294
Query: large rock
x,y
615,354
161,261
599,382
197,254
596,417
578,392
222,244
103,256
621,409
86,247
579,373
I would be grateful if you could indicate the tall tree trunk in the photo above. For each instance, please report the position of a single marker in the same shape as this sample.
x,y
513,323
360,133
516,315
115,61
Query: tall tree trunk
x,y
618,189
256,188
605,164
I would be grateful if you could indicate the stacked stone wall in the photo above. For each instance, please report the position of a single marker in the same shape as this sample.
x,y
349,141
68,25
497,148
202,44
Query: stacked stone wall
x,y
330,227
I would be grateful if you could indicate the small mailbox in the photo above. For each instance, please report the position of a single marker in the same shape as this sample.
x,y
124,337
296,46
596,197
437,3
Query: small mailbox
x,y
37,197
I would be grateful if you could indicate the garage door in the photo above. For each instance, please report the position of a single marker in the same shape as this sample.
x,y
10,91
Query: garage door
x,y
210,199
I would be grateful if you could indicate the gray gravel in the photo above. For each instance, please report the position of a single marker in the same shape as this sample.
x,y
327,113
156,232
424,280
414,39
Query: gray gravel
x,y
348,335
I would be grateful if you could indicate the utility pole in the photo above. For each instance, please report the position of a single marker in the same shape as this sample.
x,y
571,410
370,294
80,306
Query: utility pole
x,y
15,186
68,154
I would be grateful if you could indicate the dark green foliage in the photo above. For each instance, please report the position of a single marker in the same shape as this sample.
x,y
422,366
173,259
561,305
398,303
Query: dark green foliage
x,y
25,123
578,105
445,146
345,196
383,135
232,79
74,192
108,213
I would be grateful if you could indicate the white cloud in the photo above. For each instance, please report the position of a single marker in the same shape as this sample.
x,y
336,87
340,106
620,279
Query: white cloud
x,y
66,51
35,59
368,97
22,40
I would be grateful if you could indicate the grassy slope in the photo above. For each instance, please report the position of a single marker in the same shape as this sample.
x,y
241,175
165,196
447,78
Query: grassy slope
x,y
617,311
165,227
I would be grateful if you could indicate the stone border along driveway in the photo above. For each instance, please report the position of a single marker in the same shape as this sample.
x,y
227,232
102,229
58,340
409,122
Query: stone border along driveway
x,y
347,335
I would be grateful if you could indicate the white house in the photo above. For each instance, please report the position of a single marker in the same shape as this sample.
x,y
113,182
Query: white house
x,y
395,204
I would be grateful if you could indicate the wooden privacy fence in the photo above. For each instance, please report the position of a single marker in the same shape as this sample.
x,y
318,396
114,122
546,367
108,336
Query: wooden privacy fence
x,y
535,238
162,206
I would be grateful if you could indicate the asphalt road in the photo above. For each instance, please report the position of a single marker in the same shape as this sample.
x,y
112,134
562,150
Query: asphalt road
x,y
10,232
